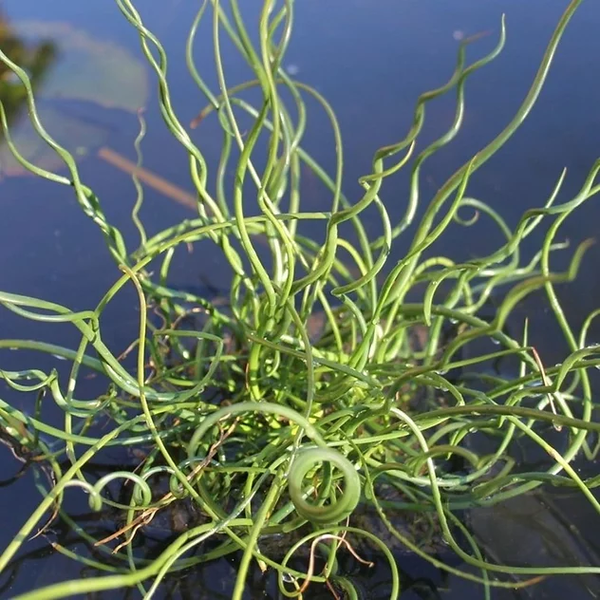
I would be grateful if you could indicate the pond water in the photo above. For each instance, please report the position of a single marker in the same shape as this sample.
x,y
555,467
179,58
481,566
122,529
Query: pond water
x,y
371,59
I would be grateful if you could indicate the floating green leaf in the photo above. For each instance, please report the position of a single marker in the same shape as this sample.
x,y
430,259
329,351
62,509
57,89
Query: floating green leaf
x,y
84,77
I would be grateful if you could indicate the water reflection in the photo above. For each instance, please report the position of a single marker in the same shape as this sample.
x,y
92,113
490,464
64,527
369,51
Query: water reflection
x,y
36,58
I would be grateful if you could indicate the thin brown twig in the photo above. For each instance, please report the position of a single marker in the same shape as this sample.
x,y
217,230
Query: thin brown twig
x,y
148,514
311,560
332,590
160,184
152,180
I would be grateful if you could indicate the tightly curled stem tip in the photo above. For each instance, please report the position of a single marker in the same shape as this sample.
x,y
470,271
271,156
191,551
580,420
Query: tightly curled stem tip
x,y
343,505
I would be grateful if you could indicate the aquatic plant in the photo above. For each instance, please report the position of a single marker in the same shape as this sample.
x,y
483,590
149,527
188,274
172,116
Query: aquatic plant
x,y
334,382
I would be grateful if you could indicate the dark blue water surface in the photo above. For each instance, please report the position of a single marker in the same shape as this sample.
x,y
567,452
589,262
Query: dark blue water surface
x,y
371,59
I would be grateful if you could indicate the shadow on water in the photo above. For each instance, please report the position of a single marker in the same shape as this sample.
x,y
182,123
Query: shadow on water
x,y
371,60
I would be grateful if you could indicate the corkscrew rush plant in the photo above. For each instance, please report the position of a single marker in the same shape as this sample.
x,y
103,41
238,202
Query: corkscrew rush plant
x,y
269,427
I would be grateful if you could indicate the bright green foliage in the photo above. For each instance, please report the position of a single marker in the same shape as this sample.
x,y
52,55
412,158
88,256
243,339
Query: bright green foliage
x,y
334,411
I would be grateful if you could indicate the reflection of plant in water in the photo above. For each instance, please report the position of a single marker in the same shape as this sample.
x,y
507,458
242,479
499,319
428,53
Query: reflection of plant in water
x,y
80,97
273,430
35,59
